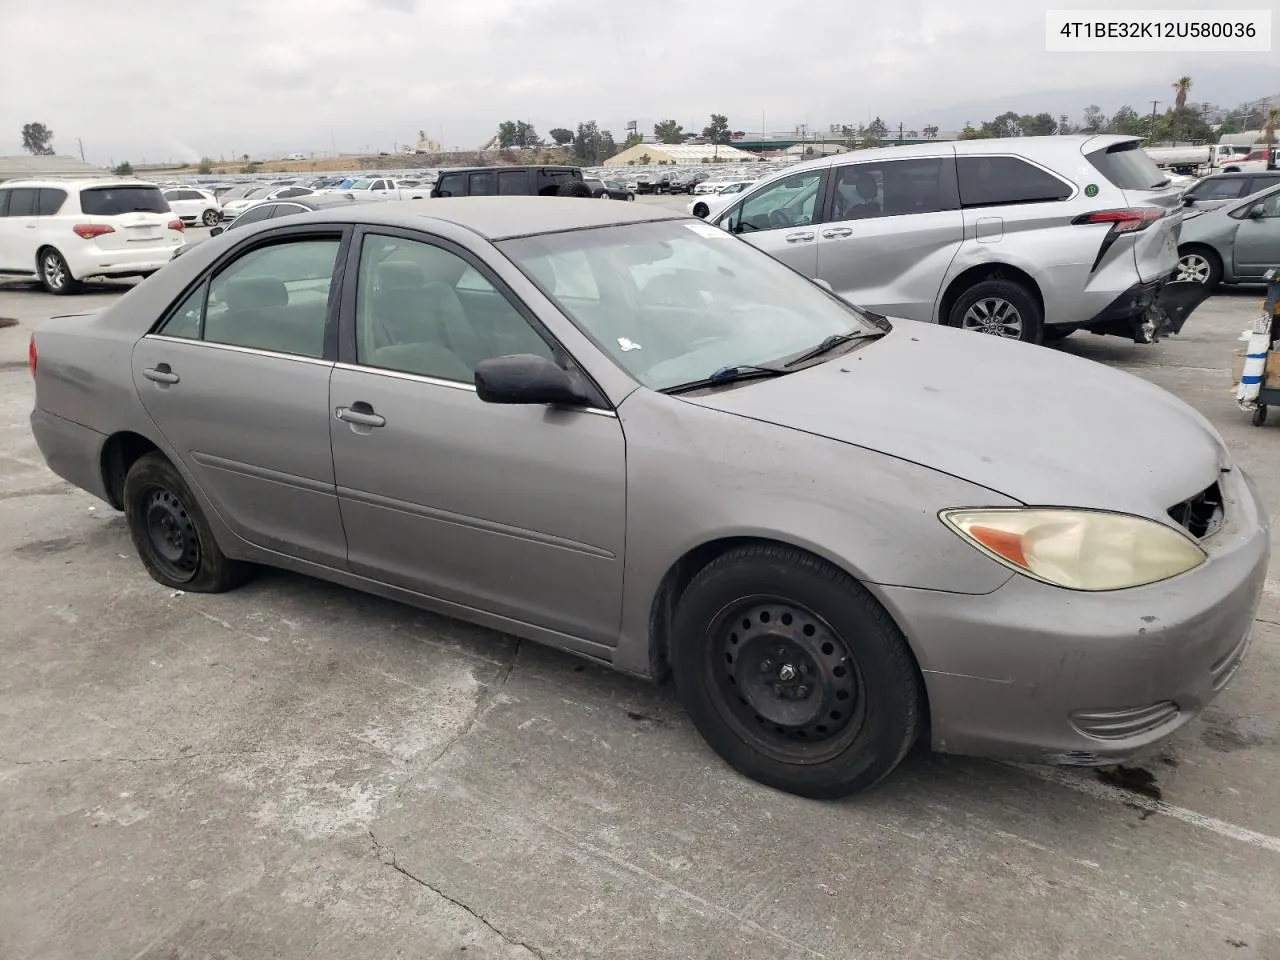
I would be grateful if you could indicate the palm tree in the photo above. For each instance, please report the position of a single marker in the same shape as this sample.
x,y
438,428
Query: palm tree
x,y
1181,87
1269,133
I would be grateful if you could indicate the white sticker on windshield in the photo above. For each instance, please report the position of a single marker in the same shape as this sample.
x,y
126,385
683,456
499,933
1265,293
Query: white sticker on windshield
x,y
627,345
707,230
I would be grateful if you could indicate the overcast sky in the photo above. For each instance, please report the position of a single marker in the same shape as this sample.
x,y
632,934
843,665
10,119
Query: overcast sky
x,y
153,80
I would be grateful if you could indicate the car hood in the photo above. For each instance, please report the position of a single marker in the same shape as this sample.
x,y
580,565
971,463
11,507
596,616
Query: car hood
x,y
1034,424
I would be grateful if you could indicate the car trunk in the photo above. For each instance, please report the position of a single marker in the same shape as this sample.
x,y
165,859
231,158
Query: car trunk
x,y
1143,184
139,216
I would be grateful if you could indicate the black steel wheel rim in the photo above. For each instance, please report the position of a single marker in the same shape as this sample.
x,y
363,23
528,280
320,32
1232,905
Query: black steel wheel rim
x,y
785,680
170,533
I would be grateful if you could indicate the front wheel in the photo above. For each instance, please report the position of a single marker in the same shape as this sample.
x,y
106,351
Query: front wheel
x,y
701,210
170,533
999,308
793,673
55,275
210,217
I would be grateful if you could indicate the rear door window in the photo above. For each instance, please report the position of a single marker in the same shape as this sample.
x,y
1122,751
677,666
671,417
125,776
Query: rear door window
x,y
1000,181
23,201
512,183
4,202
894,188
1128,167
483,184
50,201
113,201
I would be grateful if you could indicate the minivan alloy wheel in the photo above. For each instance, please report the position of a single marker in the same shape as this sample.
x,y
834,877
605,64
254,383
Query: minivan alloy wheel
x,y
994,316
54,273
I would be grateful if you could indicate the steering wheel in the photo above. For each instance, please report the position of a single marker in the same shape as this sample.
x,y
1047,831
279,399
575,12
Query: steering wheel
x,y
778,219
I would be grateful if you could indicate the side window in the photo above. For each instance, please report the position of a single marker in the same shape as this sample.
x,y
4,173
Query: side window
x,y
254,214
551,181
1227,189
22,202
1262,182
788,203
273,298
50,201
451,185
999,181
421,309
185,321
172,195
4,202
483,184
1271,206
893,188
512,183
287,209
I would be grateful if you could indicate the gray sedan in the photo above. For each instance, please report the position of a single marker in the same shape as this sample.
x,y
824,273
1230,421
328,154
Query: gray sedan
x,y
1237,243
630,435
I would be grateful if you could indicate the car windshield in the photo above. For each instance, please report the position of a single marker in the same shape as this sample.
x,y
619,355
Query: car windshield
x,y
237,193
674,301
258,193
110,201
359,184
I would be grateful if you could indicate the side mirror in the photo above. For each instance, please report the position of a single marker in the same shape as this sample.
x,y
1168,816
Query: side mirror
x,y
1188,201
1257,211
217,231
527,379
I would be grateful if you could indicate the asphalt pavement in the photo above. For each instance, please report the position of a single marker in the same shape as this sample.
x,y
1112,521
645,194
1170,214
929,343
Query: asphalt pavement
x,y
298,770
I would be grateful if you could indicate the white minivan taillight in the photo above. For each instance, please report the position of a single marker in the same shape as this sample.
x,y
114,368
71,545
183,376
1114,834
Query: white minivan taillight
x,y
87,231
177,225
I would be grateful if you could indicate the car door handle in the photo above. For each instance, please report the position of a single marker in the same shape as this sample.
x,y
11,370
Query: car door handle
x,y
161,374
364,417
838,232
798,237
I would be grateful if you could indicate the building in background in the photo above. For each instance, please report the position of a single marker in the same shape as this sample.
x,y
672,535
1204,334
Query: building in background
x,y
679,154
23,167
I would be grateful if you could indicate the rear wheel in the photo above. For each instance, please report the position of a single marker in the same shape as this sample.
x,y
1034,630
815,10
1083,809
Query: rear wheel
x,y
793,673
170,533
210,217
55,274
701,210
1199,265
999,308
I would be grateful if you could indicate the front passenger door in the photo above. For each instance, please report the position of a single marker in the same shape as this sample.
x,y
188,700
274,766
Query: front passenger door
x,y
518,511
779,219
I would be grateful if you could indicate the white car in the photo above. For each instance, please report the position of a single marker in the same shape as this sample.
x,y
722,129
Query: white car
x,y
64,231
711,186
194,205
233,208
707,205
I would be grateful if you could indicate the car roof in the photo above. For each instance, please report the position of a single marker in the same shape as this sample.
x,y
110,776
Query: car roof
x,y
65,183
501,218
518,166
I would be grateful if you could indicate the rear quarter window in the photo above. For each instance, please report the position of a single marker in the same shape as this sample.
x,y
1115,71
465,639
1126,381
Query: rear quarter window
x,y
50,201
1000,181
1128,167
113,201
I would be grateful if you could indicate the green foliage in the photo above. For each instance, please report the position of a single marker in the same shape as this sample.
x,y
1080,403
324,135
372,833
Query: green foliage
x,y
37,139
634,140
718,130
517,133
123,169
930,132
588,144
206,165
561,135
668,131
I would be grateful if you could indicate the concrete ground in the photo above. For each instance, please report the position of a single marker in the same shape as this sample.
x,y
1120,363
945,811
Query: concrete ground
x,y
297,770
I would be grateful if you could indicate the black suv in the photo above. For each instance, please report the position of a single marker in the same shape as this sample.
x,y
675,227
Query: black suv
x,y
541,181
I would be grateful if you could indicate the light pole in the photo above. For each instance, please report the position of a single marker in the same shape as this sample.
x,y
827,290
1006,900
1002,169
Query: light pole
x,y
1152,135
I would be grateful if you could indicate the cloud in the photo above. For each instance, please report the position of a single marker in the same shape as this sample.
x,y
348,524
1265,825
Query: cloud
x,y
299,75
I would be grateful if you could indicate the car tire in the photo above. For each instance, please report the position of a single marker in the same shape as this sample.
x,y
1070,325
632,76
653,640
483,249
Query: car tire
x,y
210,217
985,308
170,533
793,673
1199,264
631,197
701,210
54,273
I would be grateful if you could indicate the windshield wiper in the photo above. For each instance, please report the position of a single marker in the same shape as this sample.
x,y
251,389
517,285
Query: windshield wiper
x,y
734,374
829,344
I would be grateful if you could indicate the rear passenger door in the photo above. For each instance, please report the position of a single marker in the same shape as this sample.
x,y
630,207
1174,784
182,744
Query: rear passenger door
x,y
890,230
517,511
236,378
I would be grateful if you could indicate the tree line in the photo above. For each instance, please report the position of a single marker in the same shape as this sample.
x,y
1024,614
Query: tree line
x,y
592,146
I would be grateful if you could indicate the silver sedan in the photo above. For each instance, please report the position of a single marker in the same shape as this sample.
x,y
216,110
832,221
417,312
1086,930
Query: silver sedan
x,y
628,434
